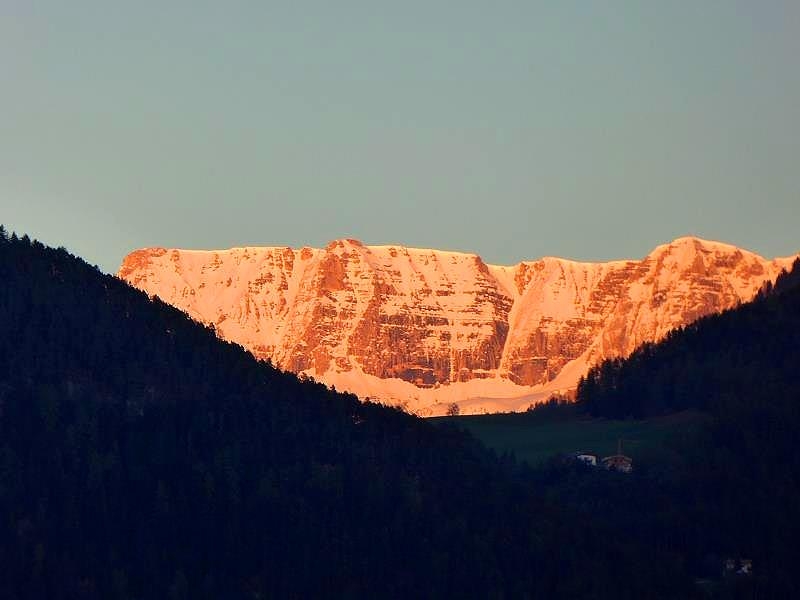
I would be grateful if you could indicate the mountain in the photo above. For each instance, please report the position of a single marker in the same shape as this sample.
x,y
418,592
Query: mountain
x,y
142,457
427,327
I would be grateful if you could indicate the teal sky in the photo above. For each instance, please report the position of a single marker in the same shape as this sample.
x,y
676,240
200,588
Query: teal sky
x,y
590,130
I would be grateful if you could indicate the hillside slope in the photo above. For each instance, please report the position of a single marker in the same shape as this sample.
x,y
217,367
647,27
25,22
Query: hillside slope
x,y
141,457
730,491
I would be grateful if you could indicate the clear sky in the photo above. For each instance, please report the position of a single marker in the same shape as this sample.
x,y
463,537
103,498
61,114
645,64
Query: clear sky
x,y
590,130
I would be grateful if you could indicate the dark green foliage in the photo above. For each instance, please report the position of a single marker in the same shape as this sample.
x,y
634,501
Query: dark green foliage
x,y
556,405
141,457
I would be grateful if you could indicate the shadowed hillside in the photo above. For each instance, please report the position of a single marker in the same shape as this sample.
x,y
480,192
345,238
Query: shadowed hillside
x,y
141,457
732,490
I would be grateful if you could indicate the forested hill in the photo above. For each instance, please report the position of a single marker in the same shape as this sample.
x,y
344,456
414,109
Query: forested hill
x,y
748,354
729,491
141,457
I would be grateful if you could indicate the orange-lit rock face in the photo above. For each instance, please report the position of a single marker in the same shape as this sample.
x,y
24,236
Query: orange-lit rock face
x,y
136,265
434,318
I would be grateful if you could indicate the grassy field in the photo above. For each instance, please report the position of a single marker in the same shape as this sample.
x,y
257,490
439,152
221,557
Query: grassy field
x,y
536,437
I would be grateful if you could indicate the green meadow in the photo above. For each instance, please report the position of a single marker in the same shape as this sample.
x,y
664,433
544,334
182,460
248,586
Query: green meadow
x,y
536,437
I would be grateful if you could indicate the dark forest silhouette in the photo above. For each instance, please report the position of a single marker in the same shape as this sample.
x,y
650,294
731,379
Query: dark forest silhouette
x,y
142,457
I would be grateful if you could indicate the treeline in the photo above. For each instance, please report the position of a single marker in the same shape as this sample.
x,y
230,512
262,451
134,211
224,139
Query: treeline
x,y
142,457
741,355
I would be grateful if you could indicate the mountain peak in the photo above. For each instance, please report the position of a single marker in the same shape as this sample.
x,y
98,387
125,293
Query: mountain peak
x,y
344,243
699,244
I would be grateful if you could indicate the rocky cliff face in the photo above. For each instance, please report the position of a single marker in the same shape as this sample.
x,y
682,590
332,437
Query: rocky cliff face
x,y
371,317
